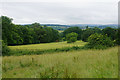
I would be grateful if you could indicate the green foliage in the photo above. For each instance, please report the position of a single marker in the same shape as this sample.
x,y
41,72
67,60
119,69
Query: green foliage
x,y
5,49
51,35
88,32
99,41
35,33
7,29
71,37
26,34
117,37
75,30
63,39
110,32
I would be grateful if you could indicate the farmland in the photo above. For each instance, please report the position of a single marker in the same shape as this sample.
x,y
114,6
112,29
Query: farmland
x,y
71,64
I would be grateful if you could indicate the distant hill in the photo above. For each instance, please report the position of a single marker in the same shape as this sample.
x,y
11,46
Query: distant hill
x,y
82,26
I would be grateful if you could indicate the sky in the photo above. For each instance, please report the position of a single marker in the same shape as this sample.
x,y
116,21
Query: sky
x,y
61,11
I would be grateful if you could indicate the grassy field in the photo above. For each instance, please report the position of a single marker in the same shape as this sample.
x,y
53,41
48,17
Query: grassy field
x,y
46,46
74,64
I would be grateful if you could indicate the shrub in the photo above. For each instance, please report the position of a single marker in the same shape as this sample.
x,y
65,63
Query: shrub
x,y
5,49
71,37
99,41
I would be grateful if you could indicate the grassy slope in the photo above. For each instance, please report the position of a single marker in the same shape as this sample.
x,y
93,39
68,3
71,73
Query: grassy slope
x,y
45,46
74,64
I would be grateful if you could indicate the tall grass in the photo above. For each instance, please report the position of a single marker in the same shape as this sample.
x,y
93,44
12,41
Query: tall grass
x,y
0,67
71,64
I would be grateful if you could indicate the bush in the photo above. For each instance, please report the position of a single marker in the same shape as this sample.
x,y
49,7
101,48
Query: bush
x,y
5,49
71,37
99,41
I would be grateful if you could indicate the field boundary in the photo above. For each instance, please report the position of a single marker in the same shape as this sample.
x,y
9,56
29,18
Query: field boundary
x,y
37,52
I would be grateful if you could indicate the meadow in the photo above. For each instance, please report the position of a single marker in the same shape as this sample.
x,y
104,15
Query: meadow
x,y
46,46
43,56
38,49
71,64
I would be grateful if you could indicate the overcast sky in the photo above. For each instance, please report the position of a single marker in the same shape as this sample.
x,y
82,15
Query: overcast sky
x,y
61,11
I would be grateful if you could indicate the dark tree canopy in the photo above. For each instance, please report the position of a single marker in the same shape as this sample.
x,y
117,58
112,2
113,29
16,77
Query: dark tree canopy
x,y
26,34
13,34
110,32
75,30
89,31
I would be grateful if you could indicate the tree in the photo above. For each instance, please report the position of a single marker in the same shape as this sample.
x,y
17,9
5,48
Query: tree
x,y
71,37
35,25
75,30
88,32
87,27
27,34
99,41
51,35
5,49
110,32
16,38
117,40
7,27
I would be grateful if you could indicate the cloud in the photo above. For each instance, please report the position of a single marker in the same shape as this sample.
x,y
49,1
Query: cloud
x,y
61,11
60,1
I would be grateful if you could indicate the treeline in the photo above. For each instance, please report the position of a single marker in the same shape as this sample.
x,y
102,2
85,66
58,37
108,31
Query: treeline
x,y
97,38
35,33
27,34
113,34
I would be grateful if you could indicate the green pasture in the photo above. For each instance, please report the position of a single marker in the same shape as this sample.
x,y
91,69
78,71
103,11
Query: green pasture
x,y
71,64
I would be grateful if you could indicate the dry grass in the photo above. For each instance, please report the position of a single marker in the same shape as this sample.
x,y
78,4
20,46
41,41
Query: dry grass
x,y
74,64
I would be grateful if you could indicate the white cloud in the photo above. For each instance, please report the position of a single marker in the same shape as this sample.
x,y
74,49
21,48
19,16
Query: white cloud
x,y
59,0
61,11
